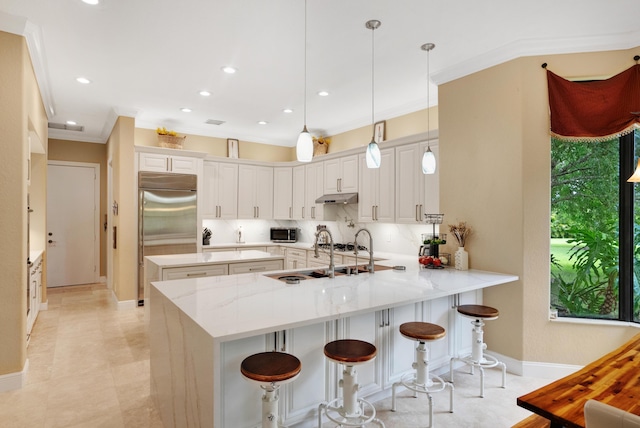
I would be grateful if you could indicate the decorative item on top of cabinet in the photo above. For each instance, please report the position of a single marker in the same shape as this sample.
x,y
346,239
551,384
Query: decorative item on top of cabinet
x,y
169,139
232,148
321,145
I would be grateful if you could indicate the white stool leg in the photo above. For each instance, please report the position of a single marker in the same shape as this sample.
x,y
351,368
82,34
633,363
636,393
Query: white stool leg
x,y
350,389
270,407
478,341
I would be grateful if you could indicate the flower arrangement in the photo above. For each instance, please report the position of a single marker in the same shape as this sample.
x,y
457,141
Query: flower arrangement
x,y
163,131
461,232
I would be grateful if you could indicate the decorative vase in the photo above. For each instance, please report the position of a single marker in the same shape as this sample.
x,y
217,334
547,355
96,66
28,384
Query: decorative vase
x,y
462,259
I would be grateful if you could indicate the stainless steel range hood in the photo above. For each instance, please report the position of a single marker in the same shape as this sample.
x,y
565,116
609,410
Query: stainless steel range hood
x,y
338,198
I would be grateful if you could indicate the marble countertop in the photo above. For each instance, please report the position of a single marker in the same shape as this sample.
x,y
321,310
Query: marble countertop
x,y
238,306
217,257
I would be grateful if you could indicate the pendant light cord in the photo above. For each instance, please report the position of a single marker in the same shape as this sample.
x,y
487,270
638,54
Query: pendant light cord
x,y
305,64
373,123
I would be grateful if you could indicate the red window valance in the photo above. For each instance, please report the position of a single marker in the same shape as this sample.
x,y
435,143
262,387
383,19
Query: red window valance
x,y
596,110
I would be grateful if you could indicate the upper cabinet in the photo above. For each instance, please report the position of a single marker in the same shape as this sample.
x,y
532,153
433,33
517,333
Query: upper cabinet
x,y
376,189
341,175
167,163
299,192
255,193
282,193
314,188
416,193
220,190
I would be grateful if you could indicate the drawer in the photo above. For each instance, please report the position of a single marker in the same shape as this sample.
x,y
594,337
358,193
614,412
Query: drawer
x,y
293,253
194,272
255,267
323,258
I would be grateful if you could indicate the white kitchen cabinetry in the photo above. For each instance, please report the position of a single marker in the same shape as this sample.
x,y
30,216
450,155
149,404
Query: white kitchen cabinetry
x,y
276,250
235,248
299,189
282,193
376,200
255,192
295,258
167,163
254,267
341,175
323,259
220,190
35,293
195,271
314,188
241,402
416,193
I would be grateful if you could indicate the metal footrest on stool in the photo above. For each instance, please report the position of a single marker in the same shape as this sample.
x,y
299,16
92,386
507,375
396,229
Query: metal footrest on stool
x,y
334,411
433,385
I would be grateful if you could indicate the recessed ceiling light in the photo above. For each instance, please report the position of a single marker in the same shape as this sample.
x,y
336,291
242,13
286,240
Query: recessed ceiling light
x,y
323,93
287,110
229,70
262,122
83,80
205,93
185,110
71,122
91,2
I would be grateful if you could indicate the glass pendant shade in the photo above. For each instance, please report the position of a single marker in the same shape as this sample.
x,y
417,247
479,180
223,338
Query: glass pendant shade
x,y
373,155
635,178
428,162
304,147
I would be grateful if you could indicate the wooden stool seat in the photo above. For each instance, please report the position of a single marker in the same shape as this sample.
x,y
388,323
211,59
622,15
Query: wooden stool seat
x,y
479,311
422,331
350,351
271,367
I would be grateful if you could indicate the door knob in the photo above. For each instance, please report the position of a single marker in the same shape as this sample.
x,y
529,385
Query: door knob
x,y
50,241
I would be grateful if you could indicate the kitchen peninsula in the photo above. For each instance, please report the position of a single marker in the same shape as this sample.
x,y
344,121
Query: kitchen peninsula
x,y
201,329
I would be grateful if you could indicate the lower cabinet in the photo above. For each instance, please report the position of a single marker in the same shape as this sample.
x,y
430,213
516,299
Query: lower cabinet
x,y
194,272
319,379
241,399
34,293
253,267
295,259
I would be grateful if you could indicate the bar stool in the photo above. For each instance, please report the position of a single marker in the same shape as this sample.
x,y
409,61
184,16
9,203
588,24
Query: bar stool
x,y
478,358
270,370
421,380
349,411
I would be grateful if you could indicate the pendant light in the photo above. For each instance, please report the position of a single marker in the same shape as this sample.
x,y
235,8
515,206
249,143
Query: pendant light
x,y
428,158
373,151
304,146
635,177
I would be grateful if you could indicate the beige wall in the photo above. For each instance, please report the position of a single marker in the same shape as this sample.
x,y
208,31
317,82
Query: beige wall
x,y
120,151
495,174
74,151
218,147
20,110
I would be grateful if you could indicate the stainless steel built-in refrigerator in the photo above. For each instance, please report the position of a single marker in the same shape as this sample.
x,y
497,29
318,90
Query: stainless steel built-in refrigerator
x,y
167,217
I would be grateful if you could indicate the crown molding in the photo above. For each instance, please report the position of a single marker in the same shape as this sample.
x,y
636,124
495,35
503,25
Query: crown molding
x,y
535,47
33,36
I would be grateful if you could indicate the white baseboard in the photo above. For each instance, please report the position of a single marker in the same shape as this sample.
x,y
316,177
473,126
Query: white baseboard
x,y
124,304
44,305
536,369
13,381
102,280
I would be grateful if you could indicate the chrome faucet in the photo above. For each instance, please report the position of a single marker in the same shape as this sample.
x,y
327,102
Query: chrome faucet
x,y
355,249
332,267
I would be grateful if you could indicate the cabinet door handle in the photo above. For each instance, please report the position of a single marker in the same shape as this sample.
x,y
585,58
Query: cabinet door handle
x,y
284,341
290,212
258,211
376,213
192,274
420,212
373,215
170,162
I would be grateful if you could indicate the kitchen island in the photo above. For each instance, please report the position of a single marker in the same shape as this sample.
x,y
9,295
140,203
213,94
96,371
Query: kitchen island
x,y
201,329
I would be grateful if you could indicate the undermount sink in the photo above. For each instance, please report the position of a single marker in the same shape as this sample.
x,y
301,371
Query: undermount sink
x,y
297,277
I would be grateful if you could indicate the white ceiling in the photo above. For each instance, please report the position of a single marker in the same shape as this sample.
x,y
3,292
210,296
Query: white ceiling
x,y
149,58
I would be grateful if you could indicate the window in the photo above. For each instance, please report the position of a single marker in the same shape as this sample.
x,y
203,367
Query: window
x,y
595,214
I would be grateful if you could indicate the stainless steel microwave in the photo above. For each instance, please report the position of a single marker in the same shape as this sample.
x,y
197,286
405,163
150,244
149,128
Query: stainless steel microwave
x,y
284,234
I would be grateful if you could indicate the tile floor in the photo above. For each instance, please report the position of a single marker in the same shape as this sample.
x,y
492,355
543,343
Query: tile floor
x,y
89,367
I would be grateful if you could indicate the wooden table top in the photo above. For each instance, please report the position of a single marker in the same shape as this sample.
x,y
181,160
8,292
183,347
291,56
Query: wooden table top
x,y
613,379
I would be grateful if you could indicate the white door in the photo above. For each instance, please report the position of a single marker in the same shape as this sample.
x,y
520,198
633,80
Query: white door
x,y
72,212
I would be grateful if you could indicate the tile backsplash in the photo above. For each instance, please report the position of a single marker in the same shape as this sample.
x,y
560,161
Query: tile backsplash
x,y
341,220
